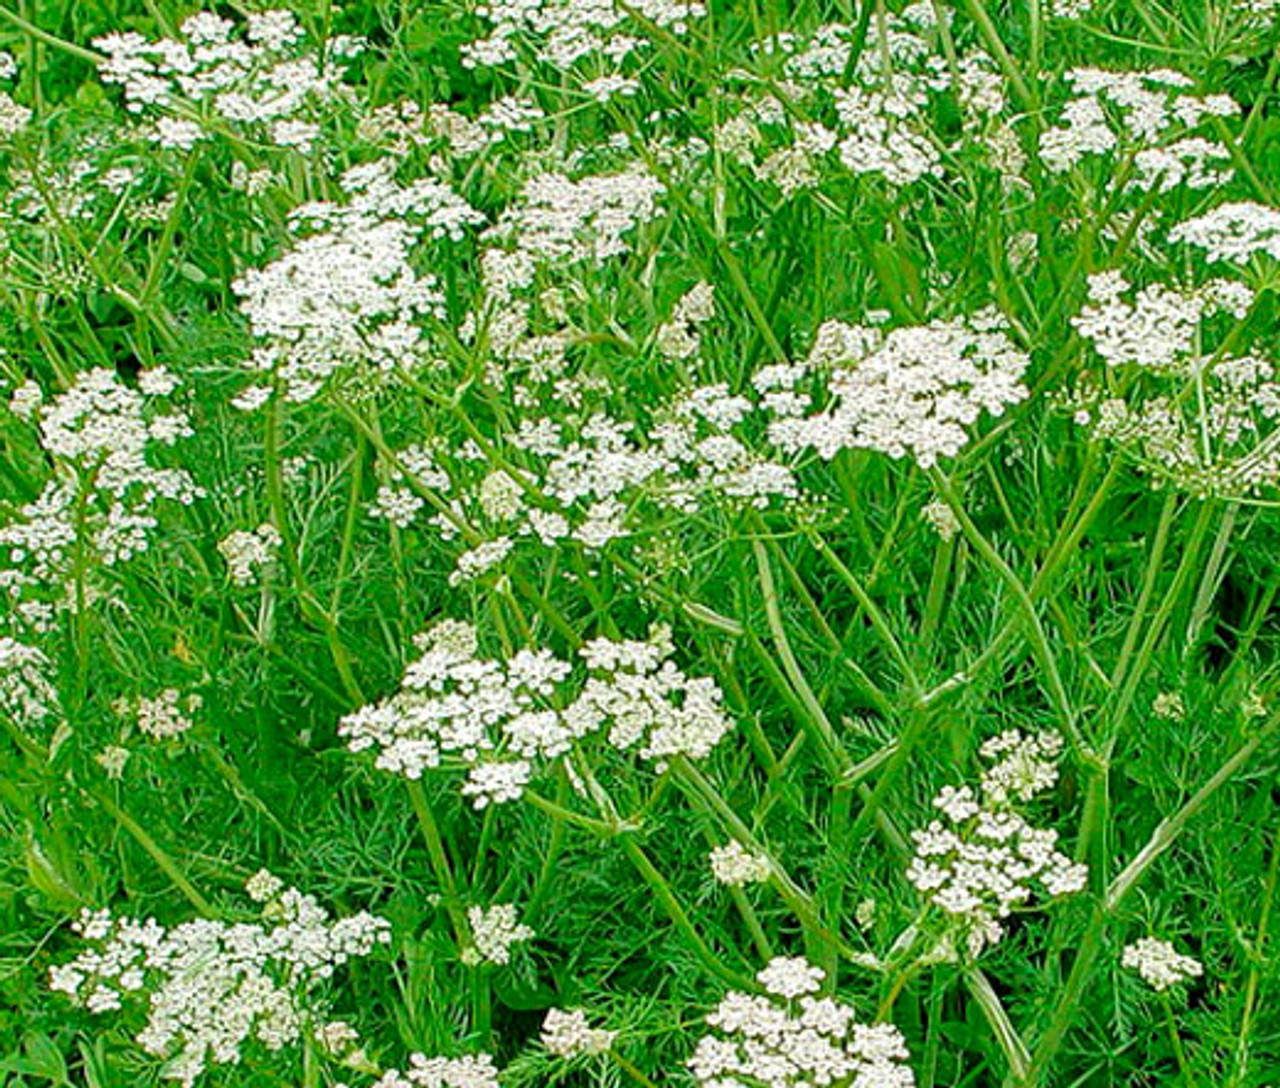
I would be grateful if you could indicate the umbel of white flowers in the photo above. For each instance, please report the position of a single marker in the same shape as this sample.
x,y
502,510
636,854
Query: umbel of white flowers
x,y
986,859
787,1038
210,987
502,720
1159,964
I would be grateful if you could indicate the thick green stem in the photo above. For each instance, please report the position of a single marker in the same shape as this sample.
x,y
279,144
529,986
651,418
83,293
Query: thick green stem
x,y
1168,830
1180,1054
1257,962
1089,946
439,860
631,1071
1038,639
814,718
671,906
1011,1043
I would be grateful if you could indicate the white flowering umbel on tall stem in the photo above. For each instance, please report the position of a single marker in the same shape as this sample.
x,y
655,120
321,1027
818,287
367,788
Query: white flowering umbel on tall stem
x,y
212,988
101,505
531,715
787,1038
504,722
985,861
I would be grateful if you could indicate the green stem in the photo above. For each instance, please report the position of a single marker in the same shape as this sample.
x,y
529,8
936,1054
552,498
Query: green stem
x,y
879,622
160,258
555,846
1178,1052
631,1070
1186,567
1039,641
1168,830
801,904
307,602
34,31
1090,945
487,826
1154,559
1211,581
439,860
350,522
559,812
814,718
1026,98
676,913
158,855
481,1006
1258,961
1011,1043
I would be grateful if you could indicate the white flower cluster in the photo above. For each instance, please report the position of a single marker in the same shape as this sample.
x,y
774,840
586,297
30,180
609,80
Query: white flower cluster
x,y
398,505
100,435
1070,9
941,519
1158,329
734,865
1233,232
1204,420
210,987
790,1039
494,931
1260,14
249,552
348,294
480,559
594,478
987,862
882,123
163,716
259,74
879,140
568,1034
27,694
13,117
1159,965
500,719
562,32
678,338
912,391
563,221
1140,112
593,475
112,759
1022,766
263,886
473,1071
1220,451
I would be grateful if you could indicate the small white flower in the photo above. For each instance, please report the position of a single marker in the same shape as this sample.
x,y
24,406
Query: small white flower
x,y
495,930
790,977
1159,964
941,518
797,1041
1169,706
165,715
208,986
569,1035
263,886
26,400
112,760
734,865
248,553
